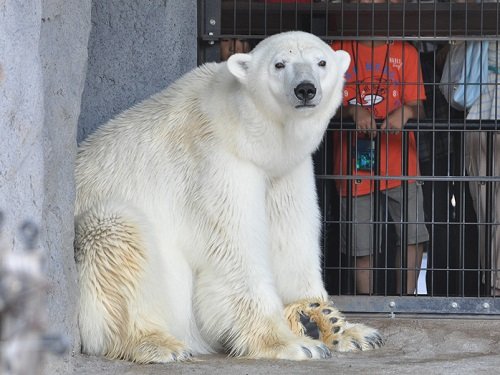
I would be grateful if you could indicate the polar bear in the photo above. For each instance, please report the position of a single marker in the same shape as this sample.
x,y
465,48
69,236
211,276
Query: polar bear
x,y
197,223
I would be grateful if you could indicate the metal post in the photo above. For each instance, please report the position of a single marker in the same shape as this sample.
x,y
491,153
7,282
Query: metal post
x,y
210,30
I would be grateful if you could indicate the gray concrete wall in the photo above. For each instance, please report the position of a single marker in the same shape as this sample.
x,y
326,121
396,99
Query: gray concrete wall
x,y
21,115
136,49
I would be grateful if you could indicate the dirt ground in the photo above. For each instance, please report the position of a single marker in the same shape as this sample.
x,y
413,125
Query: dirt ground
x,y
414,345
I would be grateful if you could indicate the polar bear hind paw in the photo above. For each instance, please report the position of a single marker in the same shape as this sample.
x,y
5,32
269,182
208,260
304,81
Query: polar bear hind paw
x,y
157,348
320,320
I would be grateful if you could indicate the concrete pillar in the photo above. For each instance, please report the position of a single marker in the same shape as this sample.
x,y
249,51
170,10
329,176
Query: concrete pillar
x,y
21,115
65,29
43,55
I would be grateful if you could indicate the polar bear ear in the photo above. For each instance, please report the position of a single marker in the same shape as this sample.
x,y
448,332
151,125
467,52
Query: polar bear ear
x,y
343,60
238,64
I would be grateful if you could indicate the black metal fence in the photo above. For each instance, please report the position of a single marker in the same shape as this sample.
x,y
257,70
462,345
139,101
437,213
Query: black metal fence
x,y
444,204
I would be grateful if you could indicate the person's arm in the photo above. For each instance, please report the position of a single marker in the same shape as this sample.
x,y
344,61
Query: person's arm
x,y
413,93
398,118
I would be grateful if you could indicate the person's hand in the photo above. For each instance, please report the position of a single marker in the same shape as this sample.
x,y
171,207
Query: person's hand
x,y
396,120
365,123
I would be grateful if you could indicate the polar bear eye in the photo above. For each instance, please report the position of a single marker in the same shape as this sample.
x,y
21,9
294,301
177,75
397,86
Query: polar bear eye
x,y
279,65
322,63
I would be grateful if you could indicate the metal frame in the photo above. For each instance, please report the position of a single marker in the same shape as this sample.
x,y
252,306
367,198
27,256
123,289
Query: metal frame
x,y
209,27
419,305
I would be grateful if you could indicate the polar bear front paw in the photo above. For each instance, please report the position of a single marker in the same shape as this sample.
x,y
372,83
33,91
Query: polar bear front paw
x,y
358,337
320,320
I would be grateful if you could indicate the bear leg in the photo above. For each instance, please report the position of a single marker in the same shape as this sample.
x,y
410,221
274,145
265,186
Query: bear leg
x,y
320,320
111,258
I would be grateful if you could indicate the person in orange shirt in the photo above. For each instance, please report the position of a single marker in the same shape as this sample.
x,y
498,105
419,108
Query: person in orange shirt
x,y
383,85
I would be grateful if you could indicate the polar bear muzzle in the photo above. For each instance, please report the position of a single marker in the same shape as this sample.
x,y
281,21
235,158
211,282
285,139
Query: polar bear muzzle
x,y
305,92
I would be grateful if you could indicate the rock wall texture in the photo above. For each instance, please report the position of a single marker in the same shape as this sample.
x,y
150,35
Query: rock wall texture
x,y
21,115
136,49
66,66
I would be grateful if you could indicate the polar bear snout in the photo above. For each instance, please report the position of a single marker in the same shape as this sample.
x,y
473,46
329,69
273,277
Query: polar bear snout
x,y
305,92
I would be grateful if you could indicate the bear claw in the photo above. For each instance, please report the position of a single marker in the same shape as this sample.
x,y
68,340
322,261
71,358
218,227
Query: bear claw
x,y
307,352
375,340
356,345
325,352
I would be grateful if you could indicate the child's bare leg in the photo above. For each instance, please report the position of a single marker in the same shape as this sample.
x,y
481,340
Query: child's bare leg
x,y
363,274
414,261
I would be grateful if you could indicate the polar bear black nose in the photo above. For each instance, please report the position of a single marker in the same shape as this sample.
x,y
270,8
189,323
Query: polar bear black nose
x,y
305,91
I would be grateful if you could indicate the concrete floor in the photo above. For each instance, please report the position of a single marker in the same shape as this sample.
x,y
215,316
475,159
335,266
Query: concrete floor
x,y
413,346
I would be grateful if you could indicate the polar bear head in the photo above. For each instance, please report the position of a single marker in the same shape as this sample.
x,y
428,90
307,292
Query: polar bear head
x,y
292,74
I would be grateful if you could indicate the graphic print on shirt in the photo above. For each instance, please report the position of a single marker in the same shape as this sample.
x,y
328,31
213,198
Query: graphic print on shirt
x,y
370,93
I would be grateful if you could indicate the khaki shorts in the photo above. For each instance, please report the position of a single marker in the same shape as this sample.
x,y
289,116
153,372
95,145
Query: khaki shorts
x,y
390,200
